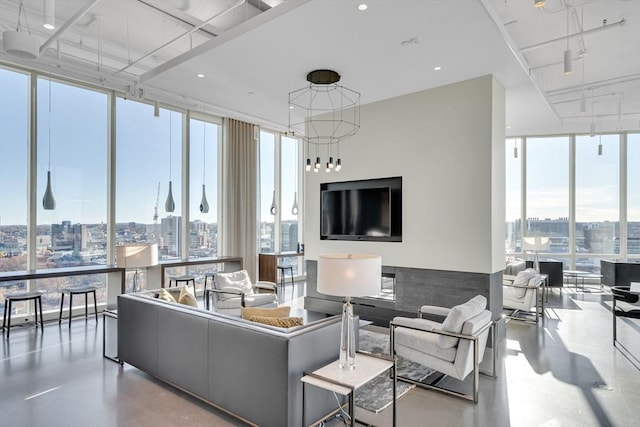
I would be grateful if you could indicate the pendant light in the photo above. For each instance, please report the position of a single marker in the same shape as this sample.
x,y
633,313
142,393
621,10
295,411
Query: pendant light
x,y
515,149
48,201
294,208
170,205
49,15
274,208
204,205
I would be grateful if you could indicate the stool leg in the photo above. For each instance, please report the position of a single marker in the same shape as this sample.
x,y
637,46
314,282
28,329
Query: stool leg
x,y
4,316
9,319
41,319
70,307
86,307
95,305
292,289
61,304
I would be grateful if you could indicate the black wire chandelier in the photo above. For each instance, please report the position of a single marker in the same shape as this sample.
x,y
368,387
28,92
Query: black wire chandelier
x,y
329,113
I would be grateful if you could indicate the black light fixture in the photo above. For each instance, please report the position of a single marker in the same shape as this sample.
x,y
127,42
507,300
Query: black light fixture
x,y
169,204
331,114
48,201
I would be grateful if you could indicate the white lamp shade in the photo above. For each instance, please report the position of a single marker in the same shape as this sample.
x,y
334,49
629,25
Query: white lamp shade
x,y
137,255
353,275
535,243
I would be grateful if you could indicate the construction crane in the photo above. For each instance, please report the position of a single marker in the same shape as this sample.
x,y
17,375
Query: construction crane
x,y
155,210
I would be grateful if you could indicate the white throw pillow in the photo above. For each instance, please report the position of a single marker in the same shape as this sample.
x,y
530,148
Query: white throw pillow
x,y
456,318
187,296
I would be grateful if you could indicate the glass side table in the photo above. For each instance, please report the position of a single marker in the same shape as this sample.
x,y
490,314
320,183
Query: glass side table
x,y
110,335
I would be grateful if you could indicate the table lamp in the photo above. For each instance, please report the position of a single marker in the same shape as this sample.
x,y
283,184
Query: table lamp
x,y
536,244
349,275
137,255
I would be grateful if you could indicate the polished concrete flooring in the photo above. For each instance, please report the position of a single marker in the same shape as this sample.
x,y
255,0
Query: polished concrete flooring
x,y
562,372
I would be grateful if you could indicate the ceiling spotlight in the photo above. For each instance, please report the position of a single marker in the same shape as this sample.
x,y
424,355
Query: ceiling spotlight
x,y
49,15
362,6
437,68
539,3
200,76
568,65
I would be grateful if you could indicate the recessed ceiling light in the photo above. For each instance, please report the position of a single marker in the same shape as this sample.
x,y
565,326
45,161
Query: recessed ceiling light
x,y
290,107
362,6
200,76
437,68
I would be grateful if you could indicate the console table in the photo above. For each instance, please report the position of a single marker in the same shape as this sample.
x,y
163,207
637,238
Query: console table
x,y
48,273
267,262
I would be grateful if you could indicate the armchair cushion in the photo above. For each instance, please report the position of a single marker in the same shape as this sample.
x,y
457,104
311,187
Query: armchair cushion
x,y
166,295
526,277
457,316
236,279
249,312
229,292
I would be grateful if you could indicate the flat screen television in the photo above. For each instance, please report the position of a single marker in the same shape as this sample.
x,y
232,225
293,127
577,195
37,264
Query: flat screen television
x,y
367,210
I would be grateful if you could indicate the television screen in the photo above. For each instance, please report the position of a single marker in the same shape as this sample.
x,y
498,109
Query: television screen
x,y
362,210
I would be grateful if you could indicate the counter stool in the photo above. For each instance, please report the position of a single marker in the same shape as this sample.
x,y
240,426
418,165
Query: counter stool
x,y
78,290
282,269
185,279
21,296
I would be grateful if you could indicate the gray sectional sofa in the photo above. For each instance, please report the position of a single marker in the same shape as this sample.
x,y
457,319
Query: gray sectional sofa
x,y
250,370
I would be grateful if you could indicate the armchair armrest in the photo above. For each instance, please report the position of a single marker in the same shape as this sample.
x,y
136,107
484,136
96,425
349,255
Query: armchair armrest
x,y
232,291
395,324
263,284
524,286
434,310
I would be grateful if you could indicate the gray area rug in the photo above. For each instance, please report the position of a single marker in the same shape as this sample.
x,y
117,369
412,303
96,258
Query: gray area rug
x,y
377,394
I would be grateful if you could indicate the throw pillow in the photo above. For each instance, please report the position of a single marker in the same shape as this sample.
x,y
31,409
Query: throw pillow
x,y
280,322
236,279
456,318
187,296
249,312
166,296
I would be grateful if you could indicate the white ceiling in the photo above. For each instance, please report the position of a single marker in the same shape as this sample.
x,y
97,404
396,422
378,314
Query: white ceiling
x,y
253,53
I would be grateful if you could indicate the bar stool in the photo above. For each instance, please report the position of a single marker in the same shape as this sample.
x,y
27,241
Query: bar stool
x,y
21,296
282,270
78,290
186,279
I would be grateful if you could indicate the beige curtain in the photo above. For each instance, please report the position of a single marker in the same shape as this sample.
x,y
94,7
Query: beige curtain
x,y
240,187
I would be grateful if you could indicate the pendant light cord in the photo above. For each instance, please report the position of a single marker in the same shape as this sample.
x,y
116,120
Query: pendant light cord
x,y
204,146
170,135
49,126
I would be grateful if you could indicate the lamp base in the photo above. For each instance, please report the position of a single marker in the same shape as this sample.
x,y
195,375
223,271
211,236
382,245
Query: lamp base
x,y
347,338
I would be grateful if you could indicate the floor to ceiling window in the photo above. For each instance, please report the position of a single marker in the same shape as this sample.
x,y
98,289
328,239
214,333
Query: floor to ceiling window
x,y
597,191
280,207
203,186
148,167
573,195
633,194
14,141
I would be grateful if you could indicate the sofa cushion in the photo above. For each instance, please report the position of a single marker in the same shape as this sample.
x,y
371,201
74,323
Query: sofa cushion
x,y
166,296
280,322
249,312
187,296
456,318
236,279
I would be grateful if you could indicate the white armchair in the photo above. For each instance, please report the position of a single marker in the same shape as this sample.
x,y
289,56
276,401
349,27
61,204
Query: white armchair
x,y
521,296
454,347
234,290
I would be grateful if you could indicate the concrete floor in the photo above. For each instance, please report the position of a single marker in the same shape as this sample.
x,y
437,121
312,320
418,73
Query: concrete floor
x,y
563,372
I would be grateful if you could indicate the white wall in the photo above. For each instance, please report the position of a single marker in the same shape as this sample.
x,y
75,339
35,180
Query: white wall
x,y
448,145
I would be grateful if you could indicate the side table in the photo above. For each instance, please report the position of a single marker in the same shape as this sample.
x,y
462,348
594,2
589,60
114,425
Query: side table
x,y
345,382
110,317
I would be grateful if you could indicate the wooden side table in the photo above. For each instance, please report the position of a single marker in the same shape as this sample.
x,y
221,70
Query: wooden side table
x,y
345,382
